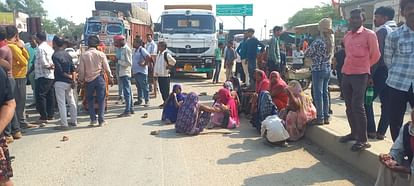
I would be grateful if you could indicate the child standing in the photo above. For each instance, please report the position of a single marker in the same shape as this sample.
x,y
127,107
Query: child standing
x,y
218,55
229,58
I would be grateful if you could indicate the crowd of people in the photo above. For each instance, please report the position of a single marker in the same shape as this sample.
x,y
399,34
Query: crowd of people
x,y
280,111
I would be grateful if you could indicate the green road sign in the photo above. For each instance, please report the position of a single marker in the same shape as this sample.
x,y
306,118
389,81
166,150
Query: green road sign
x,y
234,10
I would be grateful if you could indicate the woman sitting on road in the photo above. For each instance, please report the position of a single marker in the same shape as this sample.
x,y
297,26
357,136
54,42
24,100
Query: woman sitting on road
x,y
265,108
192,116
229,86
277,90
229,118
172,104
262,84
298,112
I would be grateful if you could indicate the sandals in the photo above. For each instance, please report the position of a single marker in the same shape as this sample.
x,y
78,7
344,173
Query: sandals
x,y
360,146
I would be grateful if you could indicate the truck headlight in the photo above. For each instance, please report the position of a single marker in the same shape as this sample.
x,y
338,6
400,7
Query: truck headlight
x,y
209,60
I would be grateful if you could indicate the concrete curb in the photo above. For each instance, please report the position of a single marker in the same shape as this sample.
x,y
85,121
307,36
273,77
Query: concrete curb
x,y
365,161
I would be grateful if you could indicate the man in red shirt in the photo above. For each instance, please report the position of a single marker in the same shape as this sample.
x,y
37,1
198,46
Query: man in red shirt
x,y
362,51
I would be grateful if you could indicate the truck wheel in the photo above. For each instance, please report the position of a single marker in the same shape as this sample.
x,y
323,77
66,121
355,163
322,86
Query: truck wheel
x,y
210,75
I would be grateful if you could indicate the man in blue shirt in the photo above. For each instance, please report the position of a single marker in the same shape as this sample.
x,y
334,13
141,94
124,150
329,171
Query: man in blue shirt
x,y
251,54
140,61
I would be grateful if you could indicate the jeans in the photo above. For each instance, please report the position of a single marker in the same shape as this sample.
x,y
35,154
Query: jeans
x,y
14,126
126,85
239,70
380,89
33,84
45,98
251,65
229,71
97,86
20,97
142,84
320,80
217,71
164,85
118,79
354,87
339,75
397,108
64,93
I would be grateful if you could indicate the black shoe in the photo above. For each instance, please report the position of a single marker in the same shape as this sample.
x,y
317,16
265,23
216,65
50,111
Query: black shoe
x,y
372,135
132,112
347,138
139,102
123,115
316,122
380,137
360,146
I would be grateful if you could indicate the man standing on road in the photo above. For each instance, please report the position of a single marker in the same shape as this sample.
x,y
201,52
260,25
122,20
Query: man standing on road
x,y
379,72
362,51
31,48
251,54
273,55
151,47
337,63
92,68
140,60
19,69
44,75
65,79
241,50
7,109
399,58
125,63
6,60
163,63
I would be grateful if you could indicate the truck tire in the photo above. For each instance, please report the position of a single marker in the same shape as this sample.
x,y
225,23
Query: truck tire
x,y
210,75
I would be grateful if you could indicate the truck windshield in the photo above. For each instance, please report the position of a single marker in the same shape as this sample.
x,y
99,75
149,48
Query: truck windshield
x,y
114,29
188,24
93,28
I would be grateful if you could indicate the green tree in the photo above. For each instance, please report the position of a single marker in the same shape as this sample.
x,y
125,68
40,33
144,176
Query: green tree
x,y
63,23
49,26
30,7
3,7
312,15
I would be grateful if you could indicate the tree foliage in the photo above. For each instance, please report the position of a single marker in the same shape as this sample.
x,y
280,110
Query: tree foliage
x,y
64,27
30,7
312,15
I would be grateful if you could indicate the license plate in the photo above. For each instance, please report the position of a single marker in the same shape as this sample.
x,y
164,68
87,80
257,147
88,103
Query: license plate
x,y
188,67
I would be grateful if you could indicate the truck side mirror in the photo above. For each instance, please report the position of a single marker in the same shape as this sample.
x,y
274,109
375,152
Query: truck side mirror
x,y
157,27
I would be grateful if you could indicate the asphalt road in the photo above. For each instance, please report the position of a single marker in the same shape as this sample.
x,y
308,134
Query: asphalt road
x,y
124,153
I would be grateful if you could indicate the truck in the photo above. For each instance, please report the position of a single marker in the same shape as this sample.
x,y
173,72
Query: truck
x,y
190,34
112,18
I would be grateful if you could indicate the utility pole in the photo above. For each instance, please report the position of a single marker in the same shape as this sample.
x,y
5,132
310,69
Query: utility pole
x,y
244,22
265,26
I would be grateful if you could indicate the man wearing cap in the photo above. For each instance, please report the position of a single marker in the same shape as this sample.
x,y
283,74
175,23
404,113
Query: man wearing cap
x,y
92,68
124,72
362,51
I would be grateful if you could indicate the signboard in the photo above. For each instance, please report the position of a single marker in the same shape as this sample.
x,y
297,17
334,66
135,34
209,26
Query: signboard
x,y
7,18
234,10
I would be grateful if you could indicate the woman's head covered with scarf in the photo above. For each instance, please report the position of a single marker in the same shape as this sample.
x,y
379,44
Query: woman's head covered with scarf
x,y
262,82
